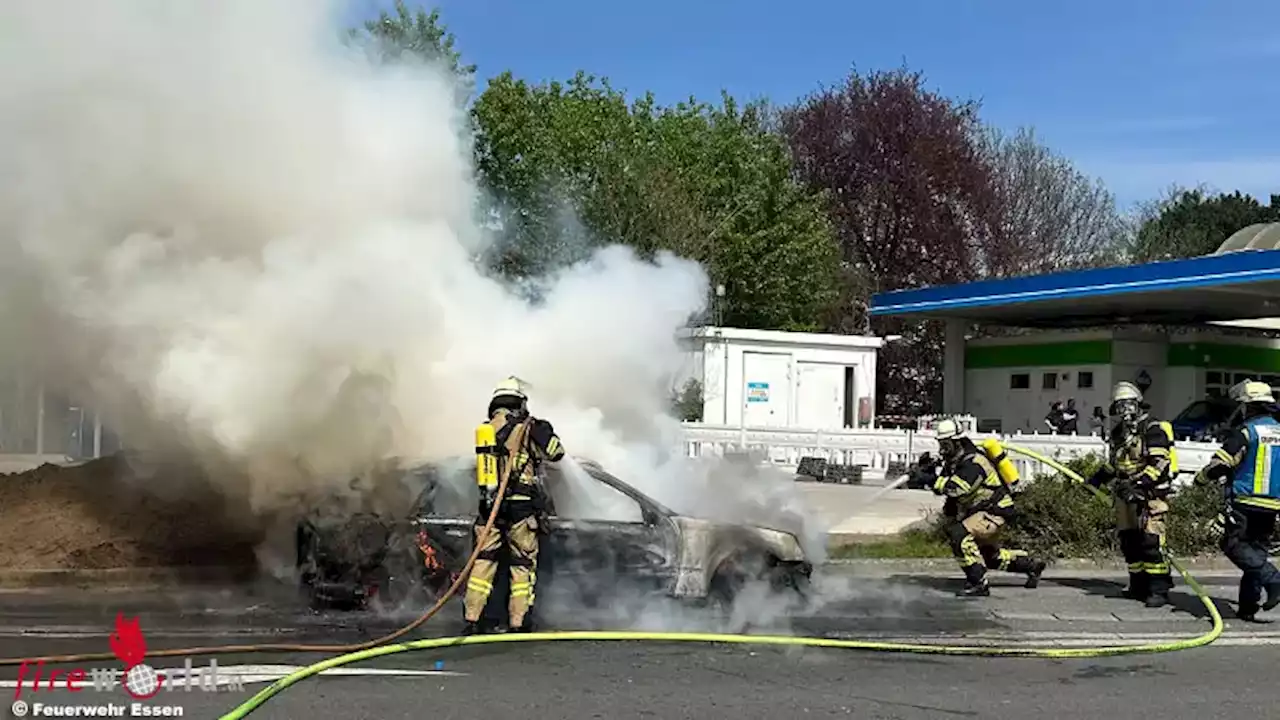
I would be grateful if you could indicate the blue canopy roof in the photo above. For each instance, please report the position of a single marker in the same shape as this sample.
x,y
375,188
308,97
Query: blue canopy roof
x,y
1232,286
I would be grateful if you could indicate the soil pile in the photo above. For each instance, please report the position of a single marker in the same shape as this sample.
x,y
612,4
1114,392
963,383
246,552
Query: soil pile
x,y
114,513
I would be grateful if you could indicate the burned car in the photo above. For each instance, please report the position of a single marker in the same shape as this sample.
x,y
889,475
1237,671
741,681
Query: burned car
x,y
603,537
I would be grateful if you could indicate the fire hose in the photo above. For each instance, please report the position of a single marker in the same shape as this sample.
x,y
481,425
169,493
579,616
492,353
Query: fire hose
x,y
384,645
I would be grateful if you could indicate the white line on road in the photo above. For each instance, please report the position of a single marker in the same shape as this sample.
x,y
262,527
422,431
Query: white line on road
x,y
72,632
1063,639
248,674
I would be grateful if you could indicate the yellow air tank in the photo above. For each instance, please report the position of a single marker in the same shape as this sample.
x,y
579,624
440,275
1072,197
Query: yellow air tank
x,y
995,452
486,457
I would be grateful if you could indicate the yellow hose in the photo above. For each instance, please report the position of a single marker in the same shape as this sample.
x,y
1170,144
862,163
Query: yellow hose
x,y
1212,634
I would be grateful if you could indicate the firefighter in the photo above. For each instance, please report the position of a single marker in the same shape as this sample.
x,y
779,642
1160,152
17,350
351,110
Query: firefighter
x,y
979,502
1247,466
1140,467
511,441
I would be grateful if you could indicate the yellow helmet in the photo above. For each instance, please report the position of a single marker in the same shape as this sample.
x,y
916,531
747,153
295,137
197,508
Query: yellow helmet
x,y
1251,391
511,387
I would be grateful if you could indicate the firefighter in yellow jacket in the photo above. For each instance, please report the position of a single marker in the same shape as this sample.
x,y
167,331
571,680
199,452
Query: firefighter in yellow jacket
x,y
979,502
1141,464
511,441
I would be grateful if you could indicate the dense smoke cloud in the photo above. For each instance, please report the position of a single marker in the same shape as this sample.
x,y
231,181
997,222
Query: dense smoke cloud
x,y
239,238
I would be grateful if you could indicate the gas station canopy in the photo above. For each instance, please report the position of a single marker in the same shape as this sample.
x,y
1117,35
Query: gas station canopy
x,y
1237,283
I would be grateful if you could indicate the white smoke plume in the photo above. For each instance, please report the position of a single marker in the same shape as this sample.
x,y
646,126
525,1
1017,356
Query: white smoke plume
x,y
237,237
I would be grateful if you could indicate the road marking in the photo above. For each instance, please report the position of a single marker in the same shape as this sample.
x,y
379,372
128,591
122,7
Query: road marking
x,y
252,674
88,631
271,673
1064,639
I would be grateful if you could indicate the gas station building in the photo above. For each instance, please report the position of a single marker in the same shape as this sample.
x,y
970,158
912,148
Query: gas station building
x,y
1088,339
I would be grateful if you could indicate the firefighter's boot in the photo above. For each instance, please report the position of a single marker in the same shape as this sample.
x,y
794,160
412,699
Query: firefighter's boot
x,y
975,582
1138,588
1248,613
1158,587
1273,596
1033,574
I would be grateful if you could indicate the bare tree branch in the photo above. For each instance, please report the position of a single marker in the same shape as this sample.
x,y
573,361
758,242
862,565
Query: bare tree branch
x,y
1051,217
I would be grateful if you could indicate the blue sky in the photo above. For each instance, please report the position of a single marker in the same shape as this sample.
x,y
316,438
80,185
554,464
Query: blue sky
x,y
1143,94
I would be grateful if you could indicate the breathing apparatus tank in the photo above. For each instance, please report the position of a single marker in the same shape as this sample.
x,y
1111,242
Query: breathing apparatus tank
x,y
487,460
996,453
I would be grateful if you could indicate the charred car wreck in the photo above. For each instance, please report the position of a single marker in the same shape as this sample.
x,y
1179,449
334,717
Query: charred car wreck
x,y
604,537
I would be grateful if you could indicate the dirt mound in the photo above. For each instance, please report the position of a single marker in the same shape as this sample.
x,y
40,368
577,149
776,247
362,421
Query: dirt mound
x,y
113,513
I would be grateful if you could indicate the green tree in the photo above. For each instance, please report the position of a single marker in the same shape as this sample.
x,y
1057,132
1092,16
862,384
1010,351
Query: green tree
x,y
1190,223
574,165
415,35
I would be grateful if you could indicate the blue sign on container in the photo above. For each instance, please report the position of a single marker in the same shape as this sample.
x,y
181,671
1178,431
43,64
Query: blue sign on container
x,y
757,392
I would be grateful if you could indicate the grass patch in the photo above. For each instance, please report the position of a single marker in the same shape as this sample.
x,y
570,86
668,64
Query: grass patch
x,y
910,544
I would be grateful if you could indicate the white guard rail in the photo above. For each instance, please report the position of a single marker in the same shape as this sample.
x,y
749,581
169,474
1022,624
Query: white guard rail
x,y
875,449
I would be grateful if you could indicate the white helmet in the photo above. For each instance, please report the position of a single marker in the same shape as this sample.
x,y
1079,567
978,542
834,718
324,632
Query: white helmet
x,y
511,387
1251,391
1126,391
949,429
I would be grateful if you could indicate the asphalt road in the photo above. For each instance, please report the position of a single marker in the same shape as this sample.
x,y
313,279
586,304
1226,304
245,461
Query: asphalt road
x,y
623,680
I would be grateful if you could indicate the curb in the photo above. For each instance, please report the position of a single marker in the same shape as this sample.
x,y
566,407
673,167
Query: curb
x,y
127,578
1209,564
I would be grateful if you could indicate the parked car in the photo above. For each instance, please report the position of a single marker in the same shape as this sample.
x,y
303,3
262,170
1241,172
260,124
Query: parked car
x,y
1202,420
642,545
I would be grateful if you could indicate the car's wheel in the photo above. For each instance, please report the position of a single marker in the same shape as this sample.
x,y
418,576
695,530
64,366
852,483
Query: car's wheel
x,y
736,573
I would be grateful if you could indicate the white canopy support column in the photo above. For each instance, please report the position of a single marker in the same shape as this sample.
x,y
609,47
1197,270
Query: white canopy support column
x,y
953,367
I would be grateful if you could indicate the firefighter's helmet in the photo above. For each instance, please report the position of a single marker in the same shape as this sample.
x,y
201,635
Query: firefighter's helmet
x,y
512,387
1251,391
948,429
1126,391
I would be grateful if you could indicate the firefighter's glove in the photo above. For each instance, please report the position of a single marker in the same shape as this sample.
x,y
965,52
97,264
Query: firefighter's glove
x,y
1132,493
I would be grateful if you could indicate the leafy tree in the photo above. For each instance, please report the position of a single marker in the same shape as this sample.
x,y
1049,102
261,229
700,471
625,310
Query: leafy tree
x,y
913,202
687,401
1189,223
574,165
1050,215
415,35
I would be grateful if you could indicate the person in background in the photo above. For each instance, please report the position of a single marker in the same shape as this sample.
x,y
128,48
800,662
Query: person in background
x,y
1098,423
1054,418
1069,419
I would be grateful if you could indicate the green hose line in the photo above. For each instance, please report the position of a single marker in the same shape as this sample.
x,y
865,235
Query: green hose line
x,y
1208,637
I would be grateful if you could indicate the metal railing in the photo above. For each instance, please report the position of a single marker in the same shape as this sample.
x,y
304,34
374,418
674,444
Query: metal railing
x,y
875,449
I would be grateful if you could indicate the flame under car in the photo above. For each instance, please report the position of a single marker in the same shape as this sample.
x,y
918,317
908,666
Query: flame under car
x,y
604,537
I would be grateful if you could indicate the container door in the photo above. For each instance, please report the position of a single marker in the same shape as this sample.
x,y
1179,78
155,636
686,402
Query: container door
x,y
819,396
